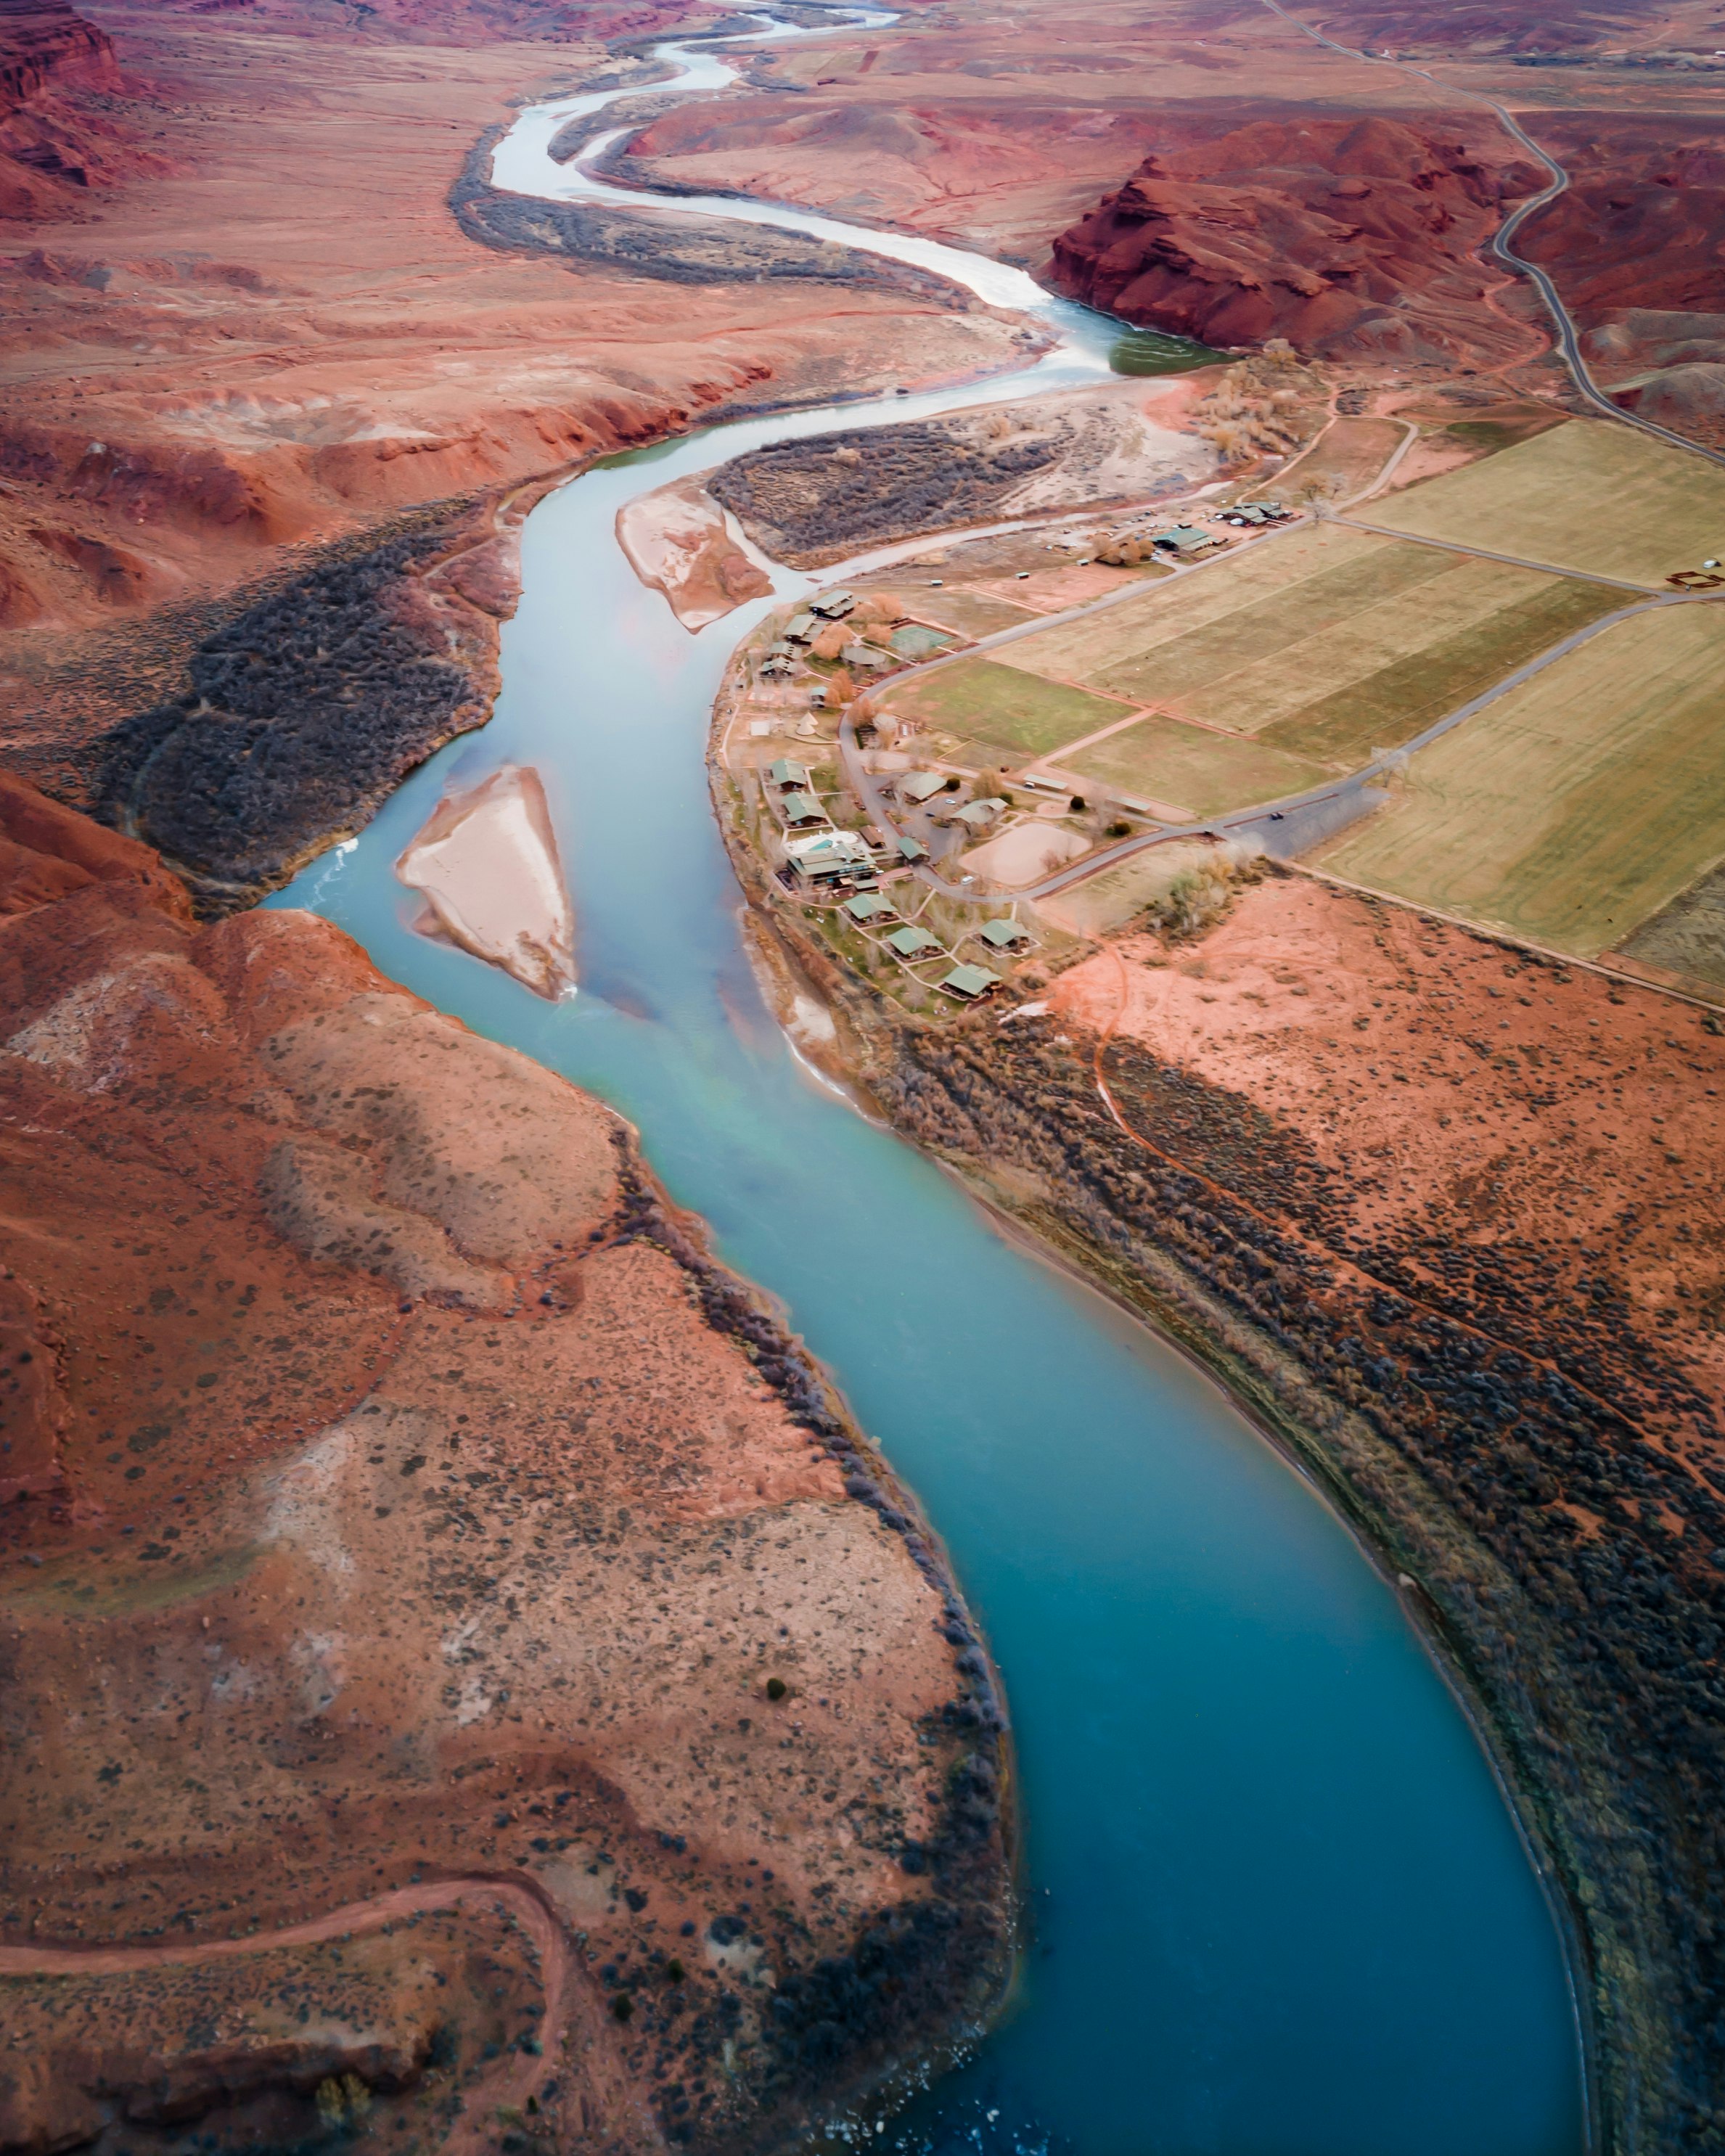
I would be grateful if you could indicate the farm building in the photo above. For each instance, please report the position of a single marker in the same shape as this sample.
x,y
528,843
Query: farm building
x,y
969,982
1186,541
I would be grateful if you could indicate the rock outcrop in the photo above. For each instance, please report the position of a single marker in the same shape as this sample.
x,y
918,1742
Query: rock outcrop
x,y
1348,237
53,145
453,1646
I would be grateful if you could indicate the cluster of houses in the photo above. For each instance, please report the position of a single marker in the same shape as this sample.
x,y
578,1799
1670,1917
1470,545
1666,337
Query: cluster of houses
x,y
871,910
922,789
817,854
1186,542
780,657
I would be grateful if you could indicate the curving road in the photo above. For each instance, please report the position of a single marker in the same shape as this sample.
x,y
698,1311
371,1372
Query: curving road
x,y
1567,340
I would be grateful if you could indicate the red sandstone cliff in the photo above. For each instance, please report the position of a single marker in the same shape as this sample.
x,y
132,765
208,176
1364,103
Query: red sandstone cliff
x,y
1343,236
53,146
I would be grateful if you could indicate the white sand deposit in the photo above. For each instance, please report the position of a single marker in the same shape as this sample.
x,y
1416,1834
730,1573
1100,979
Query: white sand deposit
x,y
486,861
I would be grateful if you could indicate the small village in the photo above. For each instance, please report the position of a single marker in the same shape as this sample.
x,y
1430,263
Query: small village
x,y
860,816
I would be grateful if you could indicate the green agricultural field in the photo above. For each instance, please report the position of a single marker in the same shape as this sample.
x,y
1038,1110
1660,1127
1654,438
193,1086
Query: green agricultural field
x,y
1164,761
998,707
1578,805
1325,644
1587,495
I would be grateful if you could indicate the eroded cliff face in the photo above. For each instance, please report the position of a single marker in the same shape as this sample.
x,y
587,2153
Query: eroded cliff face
x,y
453,1653
53,144
1347,236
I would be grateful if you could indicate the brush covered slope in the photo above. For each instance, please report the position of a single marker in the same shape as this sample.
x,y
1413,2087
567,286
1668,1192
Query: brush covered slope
x,y
458,1661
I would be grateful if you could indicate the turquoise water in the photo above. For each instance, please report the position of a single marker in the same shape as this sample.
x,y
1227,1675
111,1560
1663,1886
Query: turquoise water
x,y
1276,1904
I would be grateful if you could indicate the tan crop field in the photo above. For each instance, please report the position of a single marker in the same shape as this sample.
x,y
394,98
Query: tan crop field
x,y
1587,495
998,707
1579,805
1162,760
1325,643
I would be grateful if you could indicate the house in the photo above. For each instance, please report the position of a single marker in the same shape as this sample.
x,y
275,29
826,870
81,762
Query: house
x,y
1005,935
825,856
912,943
978,815
802,628
776,667
787,773
970,983
919,786
869,657
911,850
868,905
801,809
833,606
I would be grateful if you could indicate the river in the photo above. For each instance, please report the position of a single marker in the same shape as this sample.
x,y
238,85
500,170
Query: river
x,y
1276,1904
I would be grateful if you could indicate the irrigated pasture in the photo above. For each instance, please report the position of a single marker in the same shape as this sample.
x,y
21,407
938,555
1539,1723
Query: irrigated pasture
x,y
1587,495
1577,806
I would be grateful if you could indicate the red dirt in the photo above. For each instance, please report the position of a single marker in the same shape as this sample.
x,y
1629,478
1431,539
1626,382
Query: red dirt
x,y
1444,1080
387,1510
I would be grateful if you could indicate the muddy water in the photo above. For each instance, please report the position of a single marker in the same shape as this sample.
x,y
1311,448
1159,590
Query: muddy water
x,y
1276,1906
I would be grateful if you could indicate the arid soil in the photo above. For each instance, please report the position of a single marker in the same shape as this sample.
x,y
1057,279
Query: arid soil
x,y
677,540
819,499
453,1651
269,339
486,860
1447,1217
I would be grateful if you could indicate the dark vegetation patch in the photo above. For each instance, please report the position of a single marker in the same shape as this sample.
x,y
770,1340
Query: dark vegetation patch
x,y
679,250
834,494
300,715
1488,1390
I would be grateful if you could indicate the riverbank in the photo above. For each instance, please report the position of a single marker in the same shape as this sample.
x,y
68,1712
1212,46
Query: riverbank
x,y
1477,1433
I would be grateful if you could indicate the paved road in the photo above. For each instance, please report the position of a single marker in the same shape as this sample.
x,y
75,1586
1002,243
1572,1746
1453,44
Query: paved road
x,y
1568,342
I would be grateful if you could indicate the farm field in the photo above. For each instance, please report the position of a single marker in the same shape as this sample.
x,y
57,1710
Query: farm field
x,y
1577,807
1347,456
1687,937
1325,644
1001,708
1162,761
1586,495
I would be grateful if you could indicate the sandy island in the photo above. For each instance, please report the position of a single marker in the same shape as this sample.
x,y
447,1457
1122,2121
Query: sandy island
x,y
676,539
486,861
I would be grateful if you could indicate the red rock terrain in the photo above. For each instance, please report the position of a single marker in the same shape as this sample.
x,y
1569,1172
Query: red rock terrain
x,y
453,1655
278,337
1347,237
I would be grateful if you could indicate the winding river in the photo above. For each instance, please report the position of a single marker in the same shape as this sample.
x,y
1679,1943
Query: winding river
x,y
1277,1906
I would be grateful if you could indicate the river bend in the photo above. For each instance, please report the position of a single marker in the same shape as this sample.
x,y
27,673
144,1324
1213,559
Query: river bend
x,y
1276,1905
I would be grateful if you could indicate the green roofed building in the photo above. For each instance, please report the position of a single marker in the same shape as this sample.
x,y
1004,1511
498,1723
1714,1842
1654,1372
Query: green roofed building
x,y
1185,539
868,905
912,943
967,982
920,785
787,772
912,850
803,809
1004,935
